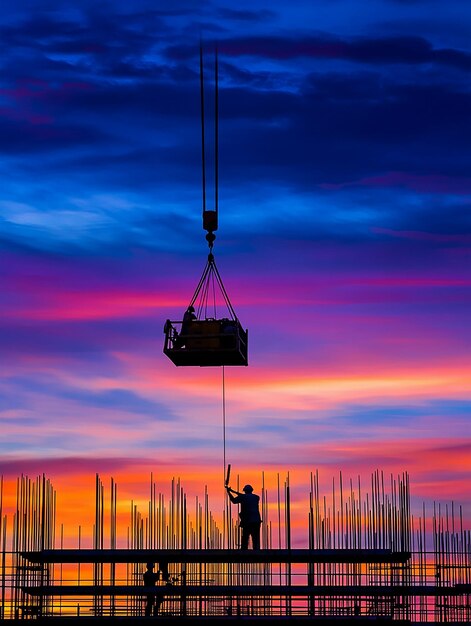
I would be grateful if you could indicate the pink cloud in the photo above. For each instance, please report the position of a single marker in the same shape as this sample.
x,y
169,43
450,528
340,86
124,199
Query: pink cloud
x,y
97,305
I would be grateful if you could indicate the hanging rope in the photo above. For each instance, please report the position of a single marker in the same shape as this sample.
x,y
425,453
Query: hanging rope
x,y
203,159
216,132
210,216
224,421
207,284
226,468
214,295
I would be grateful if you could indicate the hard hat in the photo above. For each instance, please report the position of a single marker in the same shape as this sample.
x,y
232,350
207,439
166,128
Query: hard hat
x,y
248,488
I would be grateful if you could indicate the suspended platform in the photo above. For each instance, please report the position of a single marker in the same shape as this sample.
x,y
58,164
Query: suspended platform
x,y
206,343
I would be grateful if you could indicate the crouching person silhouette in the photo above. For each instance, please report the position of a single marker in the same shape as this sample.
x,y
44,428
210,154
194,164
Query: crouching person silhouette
x,y
250,520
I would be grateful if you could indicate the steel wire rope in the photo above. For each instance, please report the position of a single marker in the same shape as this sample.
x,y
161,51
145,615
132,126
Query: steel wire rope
x,y
200,283
201,307
203,160
216,133
202,291
205,295
209,273
224,292
214,295
224,420
210,276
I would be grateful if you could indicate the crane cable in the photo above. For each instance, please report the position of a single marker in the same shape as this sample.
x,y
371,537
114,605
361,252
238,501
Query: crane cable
x,y
210,273
224,420
210,217
216,132
203,159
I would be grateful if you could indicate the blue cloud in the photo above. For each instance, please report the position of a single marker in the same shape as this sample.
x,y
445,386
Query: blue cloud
x,y
122,400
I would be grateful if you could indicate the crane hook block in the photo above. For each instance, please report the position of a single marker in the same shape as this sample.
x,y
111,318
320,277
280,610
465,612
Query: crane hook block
x,y
210,221
210,237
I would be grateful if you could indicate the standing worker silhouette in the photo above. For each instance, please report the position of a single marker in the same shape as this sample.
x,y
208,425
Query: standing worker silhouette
x,y
179,340
150,578
250,520
154,600
188,317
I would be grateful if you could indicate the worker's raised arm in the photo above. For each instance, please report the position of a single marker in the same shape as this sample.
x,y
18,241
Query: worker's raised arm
x,y
230,491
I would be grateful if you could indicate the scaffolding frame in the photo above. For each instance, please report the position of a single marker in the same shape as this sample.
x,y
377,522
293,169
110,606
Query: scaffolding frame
x,y
367,558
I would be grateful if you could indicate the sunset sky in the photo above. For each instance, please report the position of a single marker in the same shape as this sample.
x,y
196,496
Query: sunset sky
x,y
344,240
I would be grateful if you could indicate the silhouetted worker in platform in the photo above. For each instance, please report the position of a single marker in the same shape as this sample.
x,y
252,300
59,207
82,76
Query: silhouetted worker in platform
x,y
188,317
250,520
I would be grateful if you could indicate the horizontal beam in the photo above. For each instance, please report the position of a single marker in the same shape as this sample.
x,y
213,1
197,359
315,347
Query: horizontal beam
x,y
248,590
217,556
266,620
